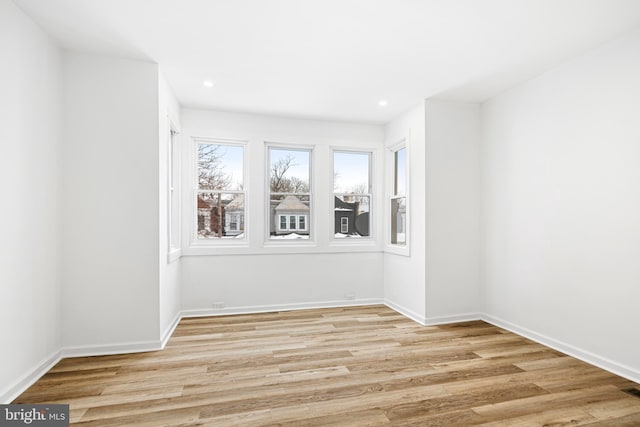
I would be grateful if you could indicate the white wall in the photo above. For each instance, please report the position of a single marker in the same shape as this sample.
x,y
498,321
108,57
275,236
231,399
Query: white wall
x,y
452,211
561,210
30,182
169,292
257,276
273,282
404,275
111,202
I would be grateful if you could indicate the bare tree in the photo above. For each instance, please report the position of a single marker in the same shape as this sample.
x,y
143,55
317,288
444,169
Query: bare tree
x,y
211,174
359,189
355,195
281,183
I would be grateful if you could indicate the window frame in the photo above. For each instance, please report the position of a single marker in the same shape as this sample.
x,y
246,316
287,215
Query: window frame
x,y
194,241
369,240
268,241
174,194
391,179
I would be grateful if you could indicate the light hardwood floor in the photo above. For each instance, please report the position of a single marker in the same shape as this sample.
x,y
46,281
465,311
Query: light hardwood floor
x,y
362,366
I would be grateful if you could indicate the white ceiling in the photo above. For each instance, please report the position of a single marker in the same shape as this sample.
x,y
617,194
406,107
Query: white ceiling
x,y
335,59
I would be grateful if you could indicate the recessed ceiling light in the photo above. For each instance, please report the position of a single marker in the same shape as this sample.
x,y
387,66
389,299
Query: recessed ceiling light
x,y
207,83
383,103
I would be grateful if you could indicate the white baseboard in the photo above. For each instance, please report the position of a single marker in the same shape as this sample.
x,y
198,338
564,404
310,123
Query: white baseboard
x,y
123,348
442,320
584,355
278,307
9,394
107,349
418,318
172,327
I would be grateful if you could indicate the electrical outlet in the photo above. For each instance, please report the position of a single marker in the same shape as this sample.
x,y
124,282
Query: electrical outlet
x,y
218,304
350,297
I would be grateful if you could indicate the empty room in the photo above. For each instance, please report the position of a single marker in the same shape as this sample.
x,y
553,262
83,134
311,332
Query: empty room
x,y
320,213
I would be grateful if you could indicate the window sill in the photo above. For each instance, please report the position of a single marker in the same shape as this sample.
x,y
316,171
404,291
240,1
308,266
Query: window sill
x,y
270,249
397,250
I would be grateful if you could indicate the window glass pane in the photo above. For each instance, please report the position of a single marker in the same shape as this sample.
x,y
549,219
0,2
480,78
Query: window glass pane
x,y
289,185
400,170
399,221
355,209
351,172
220,167
352,188
289,170
220,215
284,206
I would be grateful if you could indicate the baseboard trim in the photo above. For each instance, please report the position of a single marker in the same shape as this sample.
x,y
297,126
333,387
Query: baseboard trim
x,y
11,393
108,349
584,355
278,307
172,327
406,312
457,318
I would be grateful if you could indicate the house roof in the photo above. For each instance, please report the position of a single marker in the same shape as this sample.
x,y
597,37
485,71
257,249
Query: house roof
x,y
292,203
237,203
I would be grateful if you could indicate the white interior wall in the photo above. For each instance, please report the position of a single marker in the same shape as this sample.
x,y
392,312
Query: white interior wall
x,y
404,275
169,292
260,276
452,211
30,180
561,207
249,283
110,229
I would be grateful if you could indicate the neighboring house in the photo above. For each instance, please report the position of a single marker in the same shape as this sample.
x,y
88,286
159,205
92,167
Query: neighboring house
x,y
402,219
290,216
345,216
234,216
208,218
349,220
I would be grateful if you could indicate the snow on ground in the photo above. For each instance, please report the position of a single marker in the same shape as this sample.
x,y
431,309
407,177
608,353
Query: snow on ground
x,y
291,236
342,236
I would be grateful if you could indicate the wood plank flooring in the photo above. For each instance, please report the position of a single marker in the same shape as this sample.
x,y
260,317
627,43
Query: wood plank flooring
x,y
362,366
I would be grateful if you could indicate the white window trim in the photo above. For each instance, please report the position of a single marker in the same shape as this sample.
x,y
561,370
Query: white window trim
x,y
344,222
405,249
194,242
174,193
256,190
287,218
363,241
274,243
